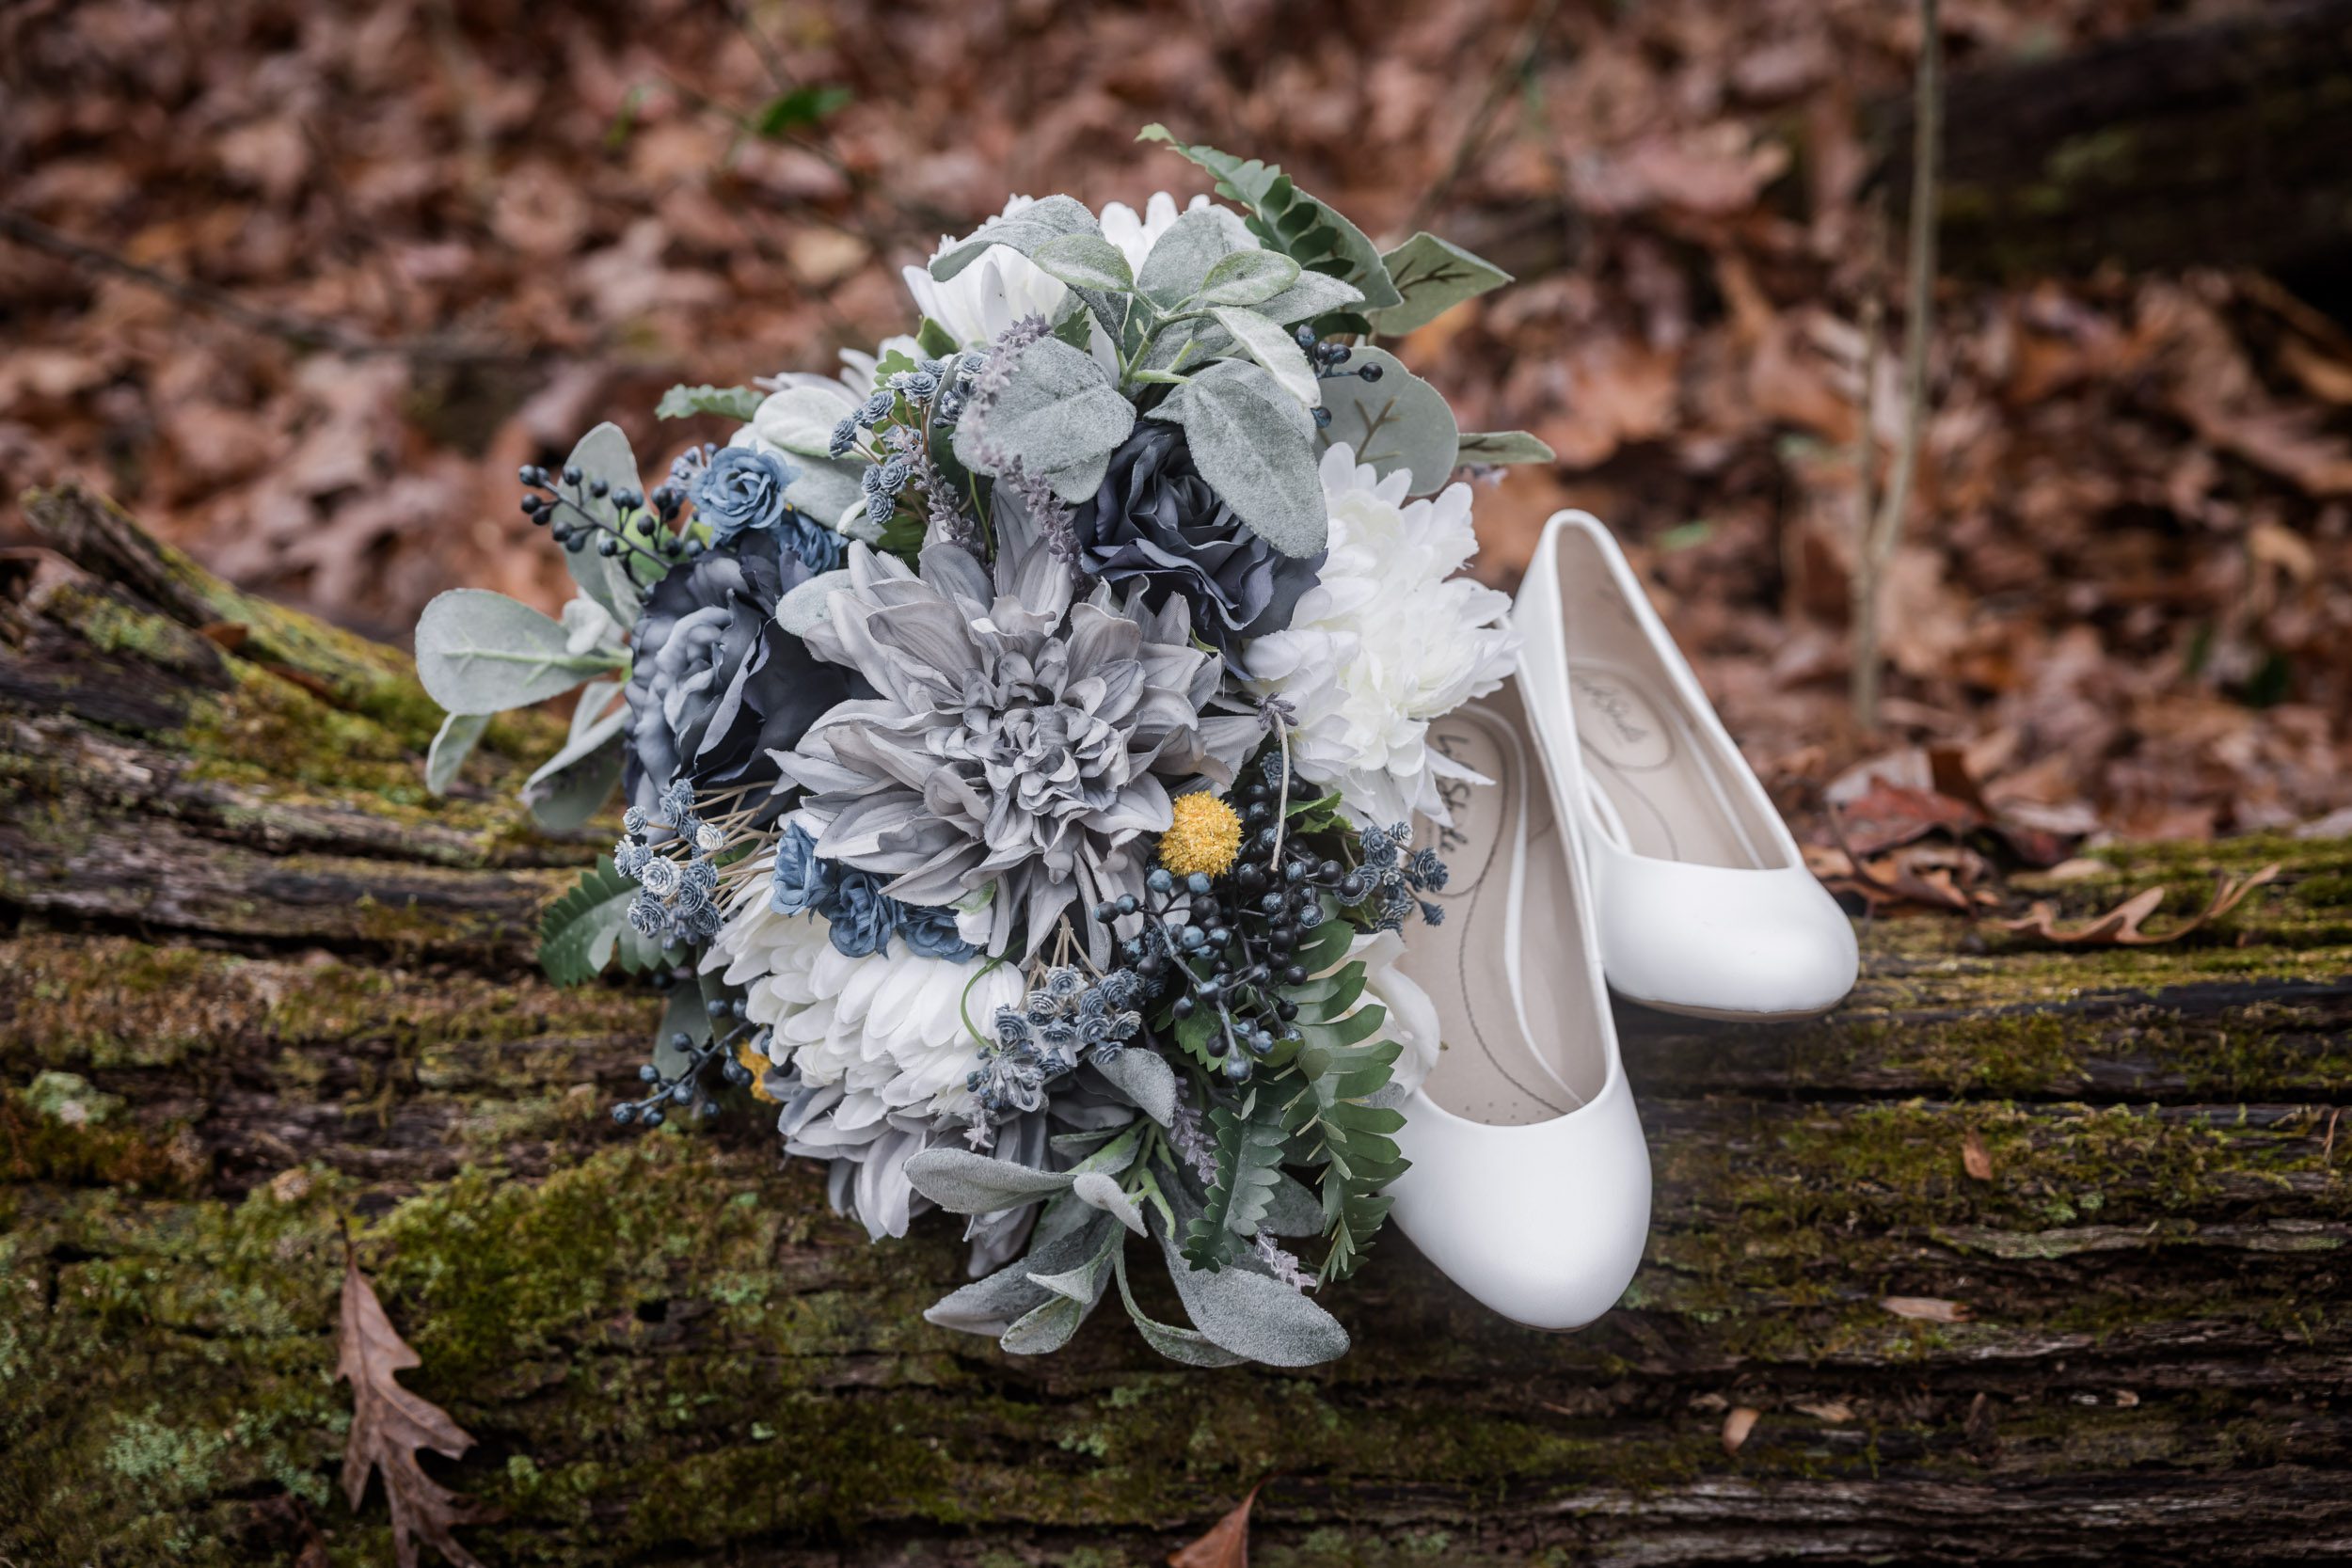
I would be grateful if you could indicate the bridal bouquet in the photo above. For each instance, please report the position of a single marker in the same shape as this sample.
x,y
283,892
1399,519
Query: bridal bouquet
x,y
1023,742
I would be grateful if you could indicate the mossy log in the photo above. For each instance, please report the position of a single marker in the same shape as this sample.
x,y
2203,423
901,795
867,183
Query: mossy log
x,y
258,984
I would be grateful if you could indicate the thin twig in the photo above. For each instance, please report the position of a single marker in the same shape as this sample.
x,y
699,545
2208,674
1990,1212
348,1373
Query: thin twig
x,y
302,331
1878,549
1509,68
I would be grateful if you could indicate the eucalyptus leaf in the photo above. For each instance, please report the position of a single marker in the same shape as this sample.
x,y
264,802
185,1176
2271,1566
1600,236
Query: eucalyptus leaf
x,y
615,581
1274,349
683,402
1097,1191
1495,448
1024,231
801,419
1399,422
1254,443
1086,261
1182,257
1433,276
1144,1077
1060,415
451,744
480,652
570,786
1249,278
965,1182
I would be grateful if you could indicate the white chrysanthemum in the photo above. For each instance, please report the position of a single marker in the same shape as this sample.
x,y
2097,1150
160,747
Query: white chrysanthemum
x,y
1136,236
886,1029
1001,288
1388,640
1004,286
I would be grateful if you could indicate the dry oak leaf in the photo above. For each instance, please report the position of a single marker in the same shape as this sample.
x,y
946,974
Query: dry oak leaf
x,y
1226,1546
389,1424
1974,1158
1736,1426
2121,926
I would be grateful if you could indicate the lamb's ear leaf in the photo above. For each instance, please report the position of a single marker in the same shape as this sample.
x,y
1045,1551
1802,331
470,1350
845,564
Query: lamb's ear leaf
x,y
1145,1078
1182,259
451,744
1086,261
1274,350
1060,415
1433,276
1254,443
1249,278
965,1182
1314,295
1286,218
1024,231
1187,1345
1494,447
683,402
1250,1314
801,419
1097,1191
1398,421
480,652
570,786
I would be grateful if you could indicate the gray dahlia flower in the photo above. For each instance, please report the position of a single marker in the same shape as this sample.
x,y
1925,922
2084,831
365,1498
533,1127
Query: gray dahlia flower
x,y
716,685
1021,737
1154,519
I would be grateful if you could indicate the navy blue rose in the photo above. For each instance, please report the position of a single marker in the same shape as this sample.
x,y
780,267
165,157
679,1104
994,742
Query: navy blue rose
x,y
931,931
802,880
860,918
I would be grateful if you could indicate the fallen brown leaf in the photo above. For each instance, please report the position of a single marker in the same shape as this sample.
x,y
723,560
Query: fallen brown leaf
x,y
389,1424
1226,1546
1835,1412
1974,1158
2122,926
1736,1426
1928,1310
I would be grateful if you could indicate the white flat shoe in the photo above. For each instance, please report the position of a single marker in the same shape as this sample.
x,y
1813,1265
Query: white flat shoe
x,y
1705,904
1530,1180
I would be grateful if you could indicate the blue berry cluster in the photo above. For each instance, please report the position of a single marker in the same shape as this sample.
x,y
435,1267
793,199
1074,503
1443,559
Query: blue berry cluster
x,y
1327,357
707,1067
1061,1019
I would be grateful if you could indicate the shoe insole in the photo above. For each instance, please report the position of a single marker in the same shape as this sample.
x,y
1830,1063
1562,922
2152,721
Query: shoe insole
x,y
1656,785
1519,1022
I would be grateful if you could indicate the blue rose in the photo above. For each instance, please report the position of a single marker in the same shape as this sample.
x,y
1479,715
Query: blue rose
x,y
802,881
931,931
859,916
743,489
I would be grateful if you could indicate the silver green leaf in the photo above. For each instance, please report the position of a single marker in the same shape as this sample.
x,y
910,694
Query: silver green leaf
x,y
480,652
1249,278
1145,1078
1433,276
802,607
1250,1314
1187,1345
570,787
1182,257
1498,447
1274,349
1060,415
801,419
1024,231
452,743
965,1182
1097,1191
1292,1211
1314,293
1086,261
1399,422
1254,443
683,402
615,581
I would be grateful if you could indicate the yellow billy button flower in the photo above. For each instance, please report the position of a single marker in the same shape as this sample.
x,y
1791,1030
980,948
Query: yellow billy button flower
x,y
1204,836
755,1059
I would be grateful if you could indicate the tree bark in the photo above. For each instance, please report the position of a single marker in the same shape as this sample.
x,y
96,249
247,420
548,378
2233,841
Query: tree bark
x,y
258,984
2206,144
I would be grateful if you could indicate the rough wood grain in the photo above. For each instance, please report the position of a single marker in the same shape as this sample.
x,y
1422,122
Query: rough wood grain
x,y
271,984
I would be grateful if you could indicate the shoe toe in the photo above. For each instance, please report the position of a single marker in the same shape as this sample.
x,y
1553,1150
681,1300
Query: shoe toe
x,y
1706,939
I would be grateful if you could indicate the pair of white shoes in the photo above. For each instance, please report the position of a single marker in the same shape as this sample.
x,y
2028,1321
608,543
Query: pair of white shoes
x,y
1623,845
